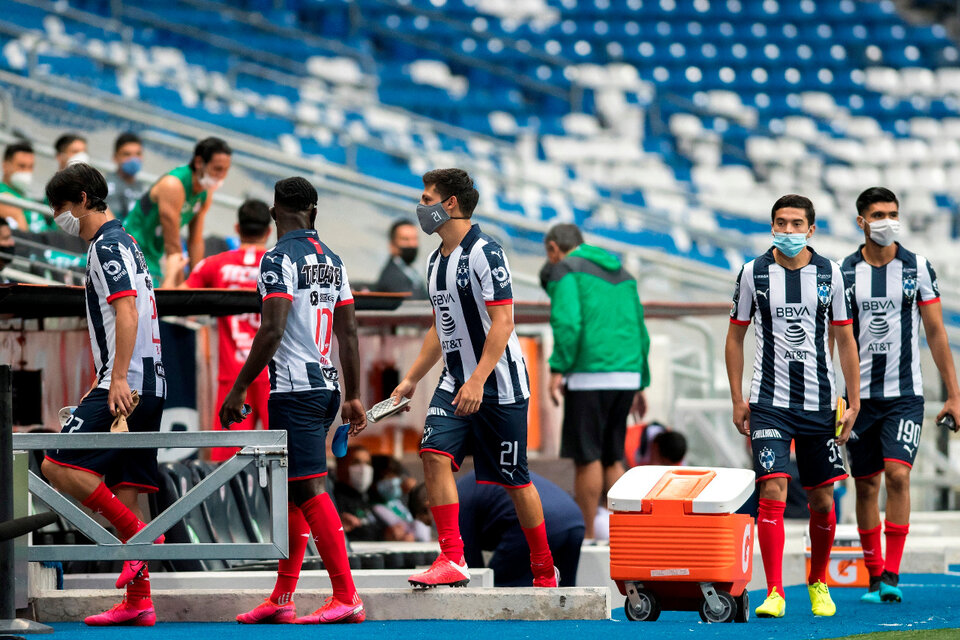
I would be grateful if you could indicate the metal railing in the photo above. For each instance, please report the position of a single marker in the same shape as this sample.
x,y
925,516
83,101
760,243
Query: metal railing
x,y
265,450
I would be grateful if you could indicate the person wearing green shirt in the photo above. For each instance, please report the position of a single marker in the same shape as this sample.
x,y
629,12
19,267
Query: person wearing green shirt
x,y
599,361
18,159
179,198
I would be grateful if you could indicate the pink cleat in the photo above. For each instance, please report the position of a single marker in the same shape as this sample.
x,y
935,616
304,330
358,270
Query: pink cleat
x,y
548,580
443,572
132,569
269,613
335,612
125,614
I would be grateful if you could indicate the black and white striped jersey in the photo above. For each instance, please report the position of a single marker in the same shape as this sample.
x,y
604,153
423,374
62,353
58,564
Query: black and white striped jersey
x,y
792,309
886,305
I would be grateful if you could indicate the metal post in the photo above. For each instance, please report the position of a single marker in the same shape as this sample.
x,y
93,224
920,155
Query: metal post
x,y
7,608
9,623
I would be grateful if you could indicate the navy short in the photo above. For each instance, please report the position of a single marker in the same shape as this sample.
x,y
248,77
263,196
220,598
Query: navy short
x,y
886,429
496,435
306,416
819,458
119,467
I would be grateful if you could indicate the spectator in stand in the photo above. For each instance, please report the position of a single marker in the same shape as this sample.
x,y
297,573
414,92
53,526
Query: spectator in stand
x,y
398,274
488,522
351,493
71,148
18,162
7,245
179,198
237,269
661,446
390,483
124,189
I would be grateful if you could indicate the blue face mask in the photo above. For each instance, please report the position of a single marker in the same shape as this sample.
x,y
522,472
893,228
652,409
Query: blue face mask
x,y
790,244
131,166
390,489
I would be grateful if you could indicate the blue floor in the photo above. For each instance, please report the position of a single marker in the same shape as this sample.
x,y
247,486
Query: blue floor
x,y
931,602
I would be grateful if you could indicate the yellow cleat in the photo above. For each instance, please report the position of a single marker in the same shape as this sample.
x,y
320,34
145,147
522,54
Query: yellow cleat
x,y
820,601
773,607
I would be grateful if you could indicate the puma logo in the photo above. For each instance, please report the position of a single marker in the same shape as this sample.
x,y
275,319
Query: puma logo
x,y
910,450
764,293
508,473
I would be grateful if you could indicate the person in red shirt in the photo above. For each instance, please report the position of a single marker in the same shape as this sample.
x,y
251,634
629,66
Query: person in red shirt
x,y
238,269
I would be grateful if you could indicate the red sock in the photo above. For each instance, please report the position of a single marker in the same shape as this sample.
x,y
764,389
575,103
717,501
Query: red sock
x,y
288,570
823,528
541,560
896,535
139,589
328,534
103,501
447,519
872,553
771,535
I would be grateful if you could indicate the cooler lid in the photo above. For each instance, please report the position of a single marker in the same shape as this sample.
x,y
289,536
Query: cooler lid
x,y
710,490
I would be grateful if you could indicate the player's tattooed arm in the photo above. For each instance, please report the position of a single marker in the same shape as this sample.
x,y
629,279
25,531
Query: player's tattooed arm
x,y
273,320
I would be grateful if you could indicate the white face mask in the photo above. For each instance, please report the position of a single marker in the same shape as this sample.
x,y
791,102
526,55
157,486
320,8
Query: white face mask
x,y
83,156
361,476
21,180
884,232
209,183
70,225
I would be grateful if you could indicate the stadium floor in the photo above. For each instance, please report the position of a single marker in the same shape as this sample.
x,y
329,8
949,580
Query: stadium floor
x,y
932,602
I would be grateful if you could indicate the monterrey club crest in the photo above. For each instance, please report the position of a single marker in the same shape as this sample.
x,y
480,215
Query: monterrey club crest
x,y
823,293
909,288
463,272
767,458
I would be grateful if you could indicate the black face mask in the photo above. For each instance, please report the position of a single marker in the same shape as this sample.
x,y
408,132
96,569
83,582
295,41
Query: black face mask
x,y
408,254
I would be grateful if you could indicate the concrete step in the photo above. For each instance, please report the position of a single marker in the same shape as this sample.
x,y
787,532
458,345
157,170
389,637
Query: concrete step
x,y
219,605
263,580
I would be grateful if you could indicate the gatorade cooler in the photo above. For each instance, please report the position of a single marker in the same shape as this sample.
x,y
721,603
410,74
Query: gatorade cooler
x,y
676,545
847,567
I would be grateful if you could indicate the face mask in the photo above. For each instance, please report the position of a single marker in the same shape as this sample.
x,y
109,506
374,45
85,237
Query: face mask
x,y
884,232
77,158
68,223
131,166
432,216
21,181
389,489
408,254
361,476
209,183
790,244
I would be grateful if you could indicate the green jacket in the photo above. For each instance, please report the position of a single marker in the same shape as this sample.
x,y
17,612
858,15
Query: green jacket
x,y
597,318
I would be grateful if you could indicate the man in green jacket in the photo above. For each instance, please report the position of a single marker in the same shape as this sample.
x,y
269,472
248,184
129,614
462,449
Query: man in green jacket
x,y
600,347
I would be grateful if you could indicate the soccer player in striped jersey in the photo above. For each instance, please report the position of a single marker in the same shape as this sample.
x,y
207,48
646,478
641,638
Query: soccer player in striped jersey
x,y
891,290
306,300
796,297
125,339
480,404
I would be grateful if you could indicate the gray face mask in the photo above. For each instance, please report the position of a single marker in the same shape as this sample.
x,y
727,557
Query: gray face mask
x,y
432,216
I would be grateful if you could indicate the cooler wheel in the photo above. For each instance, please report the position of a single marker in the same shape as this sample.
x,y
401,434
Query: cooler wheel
x,y
728,609
743,605
646,610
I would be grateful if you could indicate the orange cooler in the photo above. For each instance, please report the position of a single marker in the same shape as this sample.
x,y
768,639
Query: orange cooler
x,y
675,543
